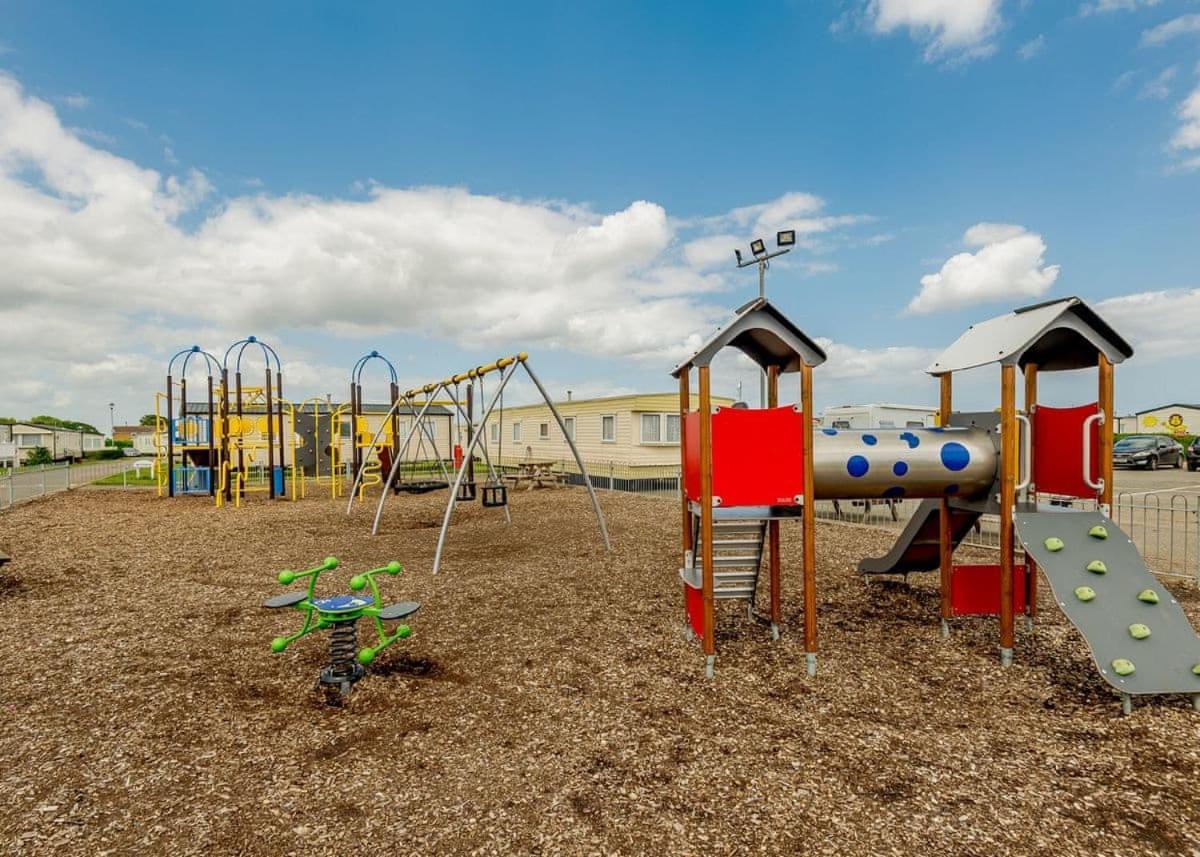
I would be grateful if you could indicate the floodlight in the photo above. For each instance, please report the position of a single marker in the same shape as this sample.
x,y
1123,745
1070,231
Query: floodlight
x,y
738,253
786,237
758,247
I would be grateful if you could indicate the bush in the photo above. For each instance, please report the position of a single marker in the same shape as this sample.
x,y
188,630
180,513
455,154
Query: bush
x,y
107,454
39,455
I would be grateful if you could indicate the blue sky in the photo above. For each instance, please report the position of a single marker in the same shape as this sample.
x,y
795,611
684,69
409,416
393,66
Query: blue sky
x,y
451,182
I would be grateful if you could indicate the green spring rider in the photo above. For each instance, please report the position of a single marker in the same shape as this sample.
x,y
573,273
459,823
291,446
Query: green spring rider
x,y
340,613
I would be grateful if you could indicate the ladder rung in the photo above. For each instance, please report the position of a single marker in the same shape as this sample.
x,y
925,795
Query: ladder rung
x,y
733,592
736,543
736,561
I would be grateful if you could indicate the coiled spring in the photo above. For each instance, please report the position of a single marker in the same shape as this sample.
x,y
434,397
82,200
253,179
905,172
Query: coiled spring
x,y
343,645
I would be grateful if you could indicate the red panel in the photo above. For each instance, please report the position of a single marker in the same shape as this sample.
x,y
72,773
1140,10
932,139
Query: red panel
x,y
1058,450
975,590
695,609
758,456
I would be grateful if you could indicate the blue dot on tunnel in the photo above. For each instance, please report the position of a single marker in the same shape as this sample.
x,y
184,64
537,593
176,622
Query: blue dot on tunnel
x,y
899,468
830,432
857,466
894,491
911,439
870,439
955,456
952,488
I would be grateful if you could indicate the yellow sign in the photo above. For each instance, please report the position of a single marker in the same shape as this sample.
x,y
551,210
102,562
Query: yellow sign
x,y
1149,421
1176,424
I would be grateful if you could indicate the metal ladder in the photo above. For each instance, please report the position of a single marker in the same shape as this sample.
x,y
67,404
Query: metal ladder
x,y
737,557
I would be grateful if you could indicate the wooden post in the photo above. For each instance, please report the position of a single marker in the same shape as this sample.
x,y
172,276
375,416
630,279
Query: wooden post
x,y
706,515
1105,447
1009,450
945,536
773,525
809,523
685,402
1031,395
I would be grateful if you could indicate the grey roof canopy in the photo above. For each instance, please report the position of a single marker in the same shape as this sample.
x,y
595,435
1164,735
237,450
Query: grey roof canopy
x,y
1056,335
763,334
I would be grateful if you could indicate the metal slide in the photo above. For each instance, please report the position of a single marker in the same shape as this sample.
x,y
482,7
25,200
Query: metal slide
x,y
1109,612
917,547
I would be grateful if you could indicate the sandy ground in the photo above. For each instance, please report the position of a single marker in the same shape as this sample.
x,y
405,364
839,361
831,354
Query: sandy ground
x,y
547,702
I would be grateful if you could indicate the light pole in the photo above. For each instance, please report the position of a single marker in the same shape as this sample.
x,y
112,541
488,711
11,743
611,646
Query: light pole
x,y
112,426
785,239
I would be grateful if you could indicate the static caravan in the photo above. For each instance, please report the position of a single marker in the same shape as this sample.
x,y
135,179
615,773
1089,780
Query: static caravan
x,y
879,416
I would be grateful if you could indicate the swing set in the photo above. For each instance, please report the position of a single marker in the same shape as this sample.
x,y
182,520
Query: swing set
x,y
493,493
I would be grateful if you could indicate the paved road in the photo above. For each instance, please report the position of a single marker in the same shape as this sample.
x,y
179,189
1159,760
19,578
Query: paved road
x,y
1180,481
27,484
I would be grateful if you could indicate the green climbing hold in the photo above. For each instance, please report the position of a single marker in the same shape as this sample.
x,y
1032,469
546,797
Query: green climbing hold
x,y
366,656
1149,596
403,631
1054,544
286,577
394,567
357,582
1085,593
278,644
1196,669
331,562
1097,566
1139,631
1098,532
1121,666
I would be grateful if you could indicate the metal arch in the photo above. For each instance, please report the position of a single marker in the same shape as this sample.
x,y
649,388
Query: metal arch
x,y
356,372
268,353
209,360
587,480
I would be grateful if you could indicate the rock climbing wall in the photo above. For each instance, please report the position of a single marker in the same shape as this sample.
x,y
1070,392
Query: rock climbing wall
x,y
1138,634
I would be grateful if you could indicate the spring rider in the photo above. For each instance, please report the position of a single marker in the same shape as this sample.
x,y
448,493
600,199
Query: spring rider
x,y
340,613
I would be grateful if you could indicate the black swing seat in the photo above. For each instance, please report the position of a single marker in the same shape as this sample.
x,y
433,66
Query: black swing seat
x,y
494,495
399,610
287,599
420,487
466,491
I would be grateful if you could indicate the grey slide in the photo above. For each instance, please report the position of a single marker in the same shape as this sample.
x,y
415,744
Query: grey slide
x,y
917,547
1115,603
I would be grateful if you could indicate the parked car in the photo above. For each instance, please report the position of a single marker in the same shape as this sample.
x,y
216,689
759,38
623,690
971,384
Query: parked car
x,y
1193,455
1148,451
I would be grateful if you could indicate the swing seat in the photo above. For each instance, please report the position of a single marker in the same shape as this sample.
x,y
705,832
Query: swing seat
x,y
399,610
466,491
494,495
287,599
420,487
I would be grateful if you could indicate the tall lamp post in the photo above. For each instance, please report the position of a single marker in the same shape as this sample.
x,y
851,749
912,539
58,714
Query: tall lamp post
x,y
112,423
785,239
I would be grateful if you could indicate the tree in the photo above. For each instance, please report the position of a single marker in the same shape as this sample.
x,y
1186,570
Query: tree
x,y
148,420
39,455
70,425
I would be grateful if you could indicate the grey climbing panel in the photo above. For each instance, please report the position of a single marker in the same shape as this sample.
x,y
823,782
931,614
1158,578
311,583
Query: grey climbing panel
x,y
1106,608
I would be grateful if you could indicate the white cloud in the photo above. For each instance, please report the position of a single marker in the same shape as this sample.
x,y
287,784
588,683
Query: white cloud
x,y
1186,140
849,362
1032,48
1100,7
1159,87
949,29
1159,324
98,262
76,101
1173,29
1010,263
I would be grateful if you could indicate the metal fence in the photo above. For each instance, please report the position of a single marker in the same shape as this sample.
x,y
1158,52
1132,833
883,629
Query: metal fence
x,y
29,483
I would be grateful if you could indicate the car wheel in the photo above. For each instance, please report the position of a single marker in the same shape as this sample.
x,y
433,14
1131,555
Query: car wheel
x,y
1178,462
1191,466
1152,464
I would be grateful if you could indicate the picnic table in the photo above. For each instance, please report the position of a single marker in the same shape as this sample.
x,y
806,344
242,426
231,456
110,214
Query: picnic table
x,y
535,474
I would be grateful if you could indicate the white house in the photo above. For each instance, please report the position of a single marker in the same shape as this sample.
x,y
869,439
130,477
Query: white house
x,y
879,416
1175,419
63,444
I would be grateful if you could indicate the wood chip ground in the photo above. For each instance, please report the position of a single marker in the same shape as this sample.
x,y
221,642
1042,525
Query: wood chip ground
x,y
547,702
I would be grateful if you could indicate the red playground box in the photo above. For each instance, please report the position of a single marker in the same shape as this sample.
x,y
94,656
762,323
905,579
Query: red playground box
x,y
757,456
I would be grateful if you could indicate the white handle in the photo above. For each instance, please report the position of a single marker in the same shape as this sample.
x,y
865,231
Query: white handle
x,y
1097,484
1026,452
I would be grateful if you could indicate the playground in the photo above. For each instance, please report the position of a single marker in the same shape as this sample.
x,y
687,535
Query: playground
x,y
547,701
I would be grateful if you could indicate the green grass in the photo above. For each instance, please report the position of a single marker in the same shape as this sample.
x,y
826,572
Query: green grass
x,y
131,477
